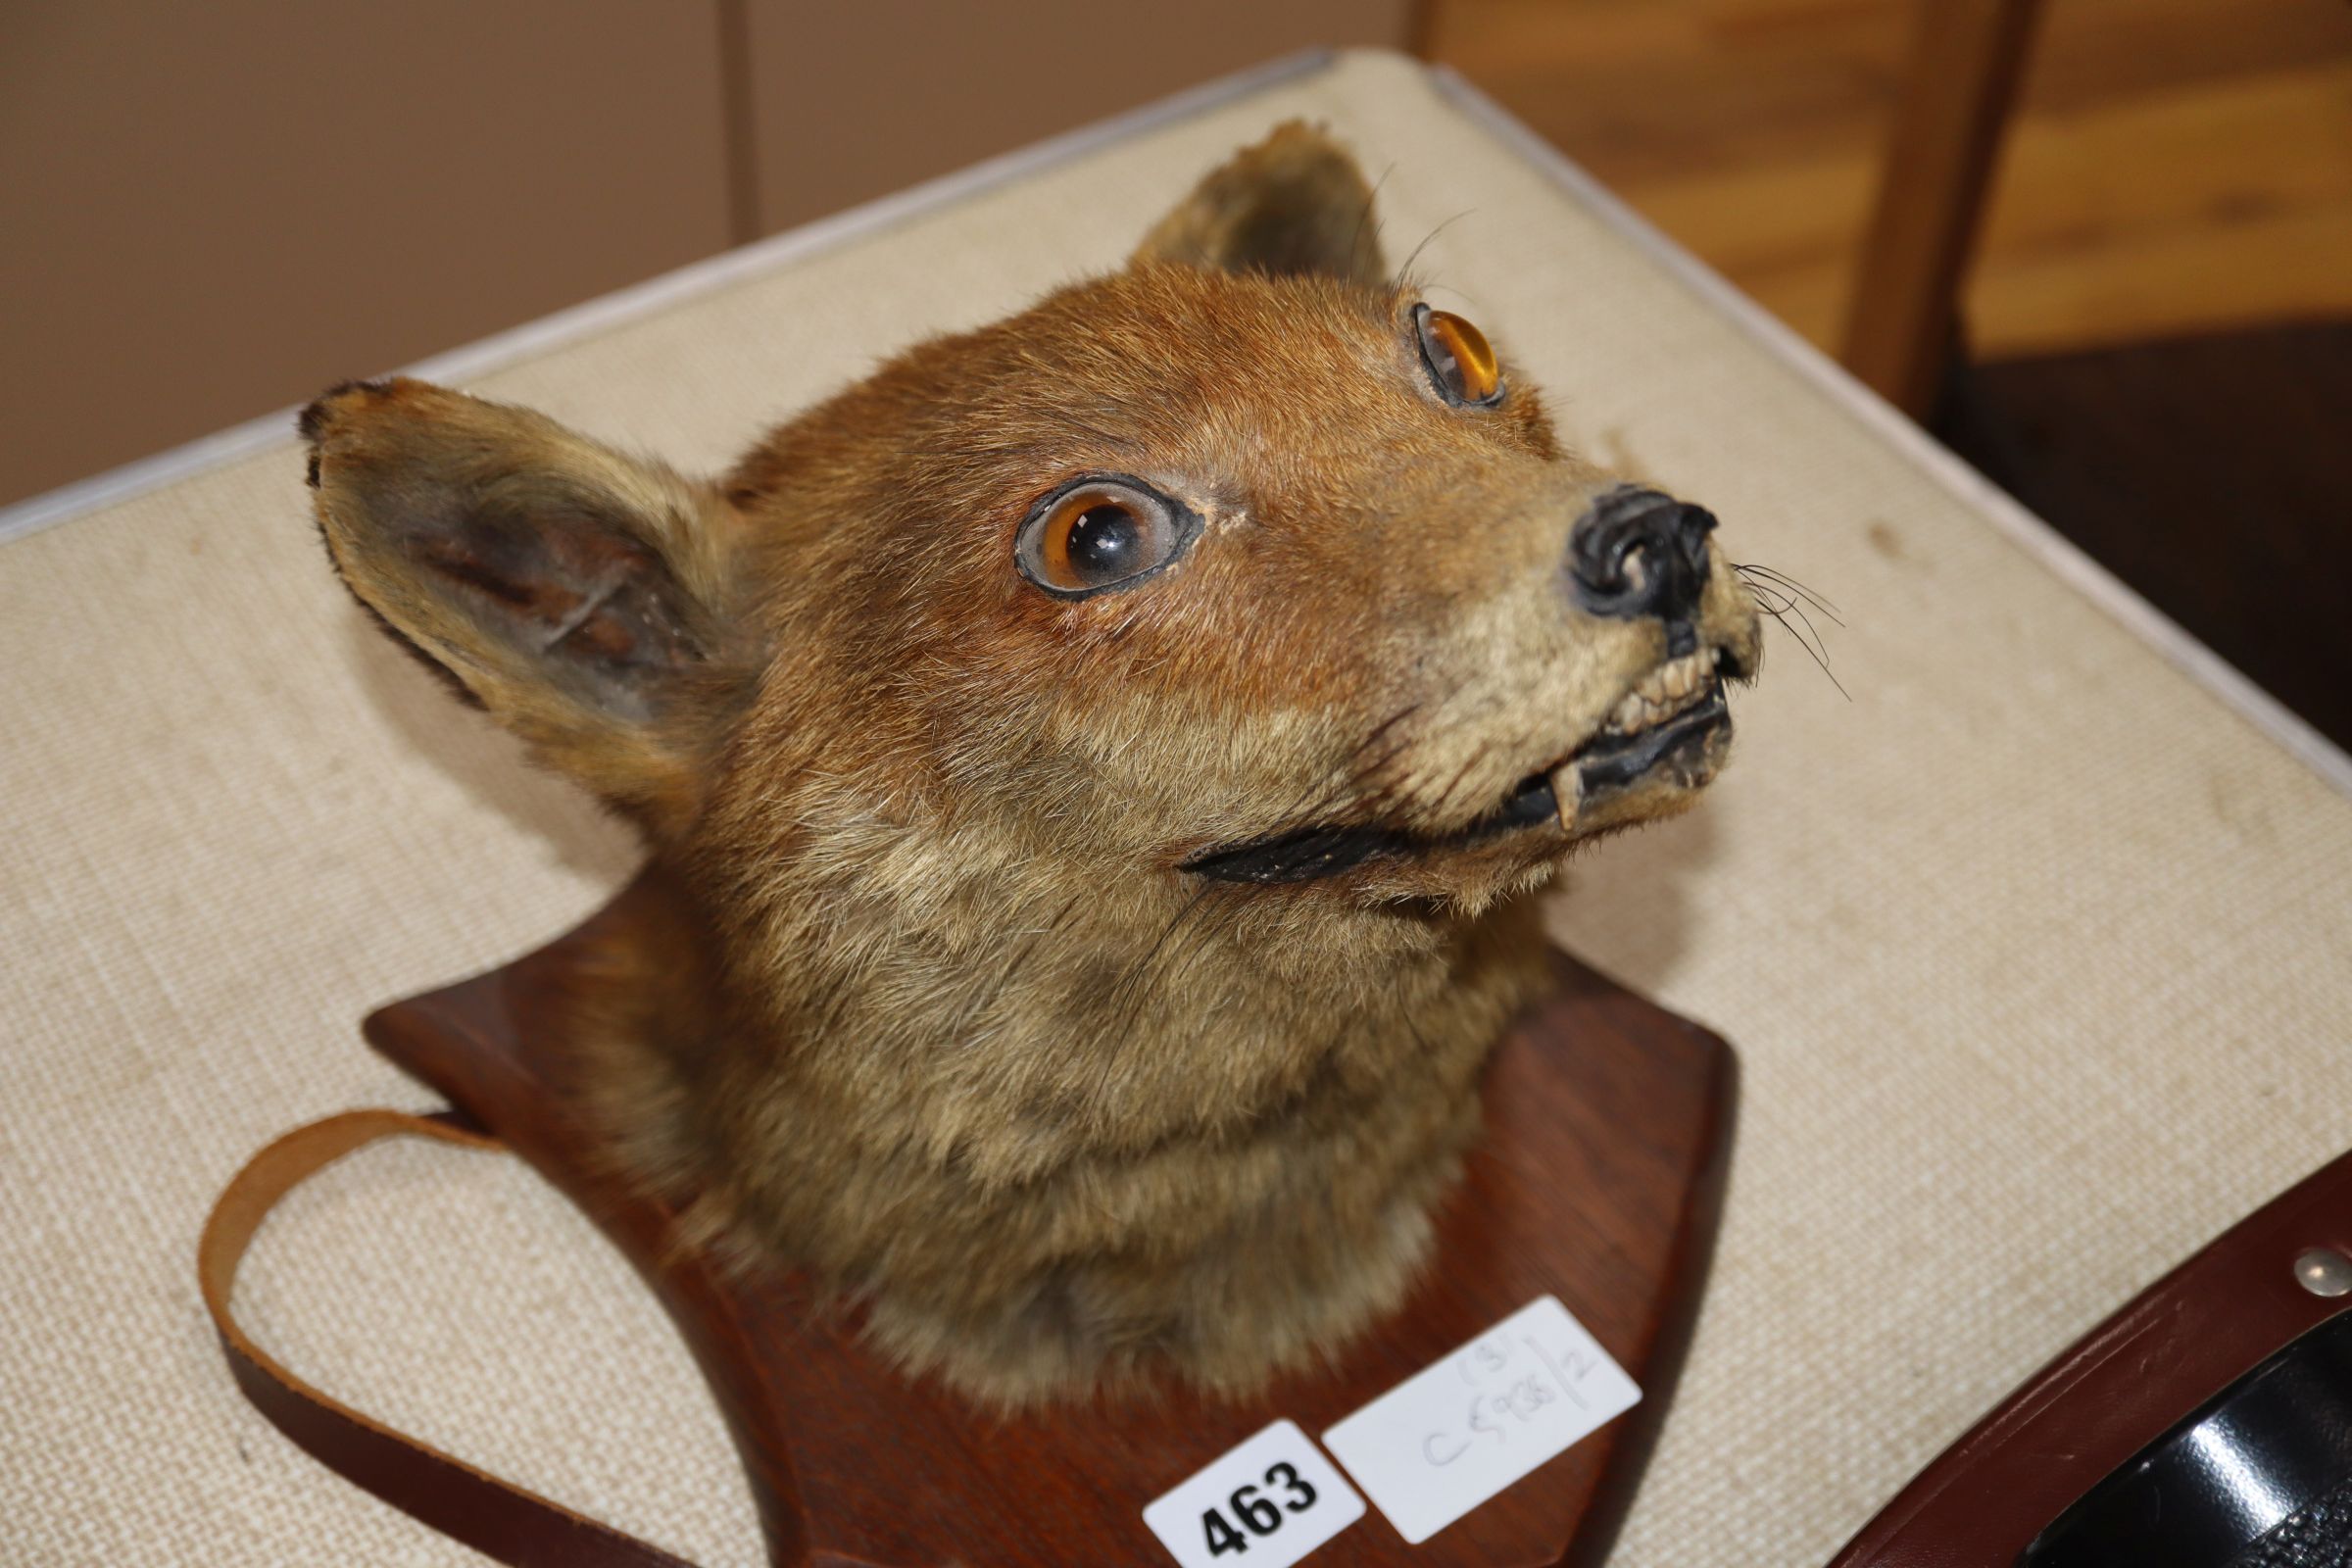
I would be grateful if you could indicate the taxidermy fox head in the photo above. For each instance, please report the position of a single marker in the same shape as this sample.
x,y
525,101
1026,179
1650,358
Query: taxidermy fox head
x,y
1104,759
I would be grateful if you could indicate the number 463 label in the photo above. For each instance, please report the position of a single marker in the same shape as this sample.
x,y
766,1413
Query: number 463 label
x,y
1264,1503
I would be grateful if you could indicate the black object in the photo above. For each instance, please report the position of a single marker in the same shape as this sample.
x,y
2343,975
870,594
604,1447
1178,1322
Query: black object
x,y
2272,1458
2208,1424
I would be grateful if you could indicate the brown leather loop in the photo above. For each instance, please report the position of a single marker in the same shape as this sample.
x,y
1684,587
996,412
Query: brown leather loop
x,y
493,1516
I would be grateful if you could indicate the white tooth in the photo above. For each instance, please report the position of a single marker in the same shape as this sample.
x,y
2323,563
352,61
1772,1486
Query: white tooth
x,y
1568,792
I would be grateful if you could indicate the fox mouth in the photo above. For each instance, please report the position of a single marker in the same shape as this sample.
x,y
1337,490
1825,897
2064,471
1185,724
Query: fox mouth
x,y
1671,727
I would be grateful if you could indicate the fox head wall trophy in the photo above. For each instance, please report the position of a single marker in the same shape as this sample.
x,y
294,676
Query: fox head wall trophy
x,y
1103,761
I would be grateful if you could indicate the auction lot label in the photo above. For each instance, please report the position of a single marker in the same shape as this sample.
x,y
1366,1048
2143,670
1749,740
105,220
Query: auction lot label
x,y
1264,1503
1446,1440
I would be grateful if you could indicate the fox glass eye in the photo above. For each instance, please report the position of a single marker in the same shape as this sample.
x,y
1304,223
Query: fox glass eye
x,y
1461,359
1100,534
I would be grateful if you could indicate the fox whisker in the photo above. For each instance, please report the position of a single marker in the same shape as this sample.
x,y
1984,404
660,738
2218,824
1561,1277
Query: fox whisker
x,y
1789,584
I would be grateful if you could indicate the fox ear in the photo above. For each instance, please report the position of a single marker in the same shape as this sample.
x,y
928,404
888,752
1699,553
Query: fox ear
x,y
1294,204
582,597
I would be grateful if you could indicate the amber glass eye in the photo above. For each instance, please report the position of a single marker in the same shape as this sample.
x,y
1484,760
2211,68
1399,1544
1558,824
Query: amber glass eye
x,y
1101,533
1459,357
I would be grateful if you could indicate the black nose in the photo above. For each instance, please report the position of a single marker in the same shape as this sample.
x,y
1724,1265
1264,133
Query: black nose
x,y
1641,553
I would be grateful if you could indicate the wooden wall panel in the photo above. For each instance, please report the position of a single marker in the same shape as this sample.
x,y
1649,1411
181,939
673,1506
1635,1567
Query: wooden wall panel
x,y
215,211
212,210
851,102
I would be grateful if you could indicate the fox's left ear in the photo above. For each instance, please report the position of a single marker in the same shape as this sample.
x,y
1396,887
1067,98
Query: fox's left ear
x,y
1294,204
587,598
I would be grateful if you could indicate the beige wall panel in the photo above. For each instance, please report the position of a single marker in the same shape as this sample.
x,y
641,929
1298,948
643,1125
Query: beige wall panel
x,y
851,102
214,210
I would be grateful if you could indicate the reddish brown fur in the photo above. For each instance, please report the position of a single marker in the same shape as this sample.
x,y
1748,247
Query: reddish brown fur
x,y
956,1029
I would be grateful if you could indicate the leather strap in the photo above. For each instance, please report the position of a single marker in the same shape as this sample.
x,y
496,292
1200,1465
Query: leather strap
x,y
493,1516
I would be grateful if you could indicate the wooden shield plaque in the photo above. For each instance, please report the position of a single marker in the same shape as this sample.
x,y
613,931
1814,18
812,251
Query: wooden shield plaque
x,y
1597,1181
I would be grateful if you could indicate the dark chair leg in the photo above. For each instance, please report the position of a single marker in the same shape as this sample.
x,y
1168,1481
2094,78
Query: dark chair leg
x,y
1967,62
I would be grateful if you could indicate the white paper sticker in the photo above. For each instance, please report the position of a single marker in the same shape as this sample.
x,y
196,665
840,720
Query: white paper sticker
x,y
1444,1441
1264,1503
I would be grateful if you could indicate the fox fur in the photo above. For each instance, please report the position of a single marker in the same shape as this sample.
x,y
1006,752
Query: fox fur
x,y
946,1016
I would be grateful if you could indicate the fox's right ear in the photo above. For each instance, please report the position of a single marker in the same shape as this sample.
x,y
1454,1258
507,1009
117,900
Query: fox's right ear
x,y
585,598
1295,204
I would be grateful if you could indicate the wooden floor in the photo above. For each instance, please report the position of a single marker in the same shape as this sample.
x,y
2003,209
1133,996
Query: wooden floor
x,y
2210,473
2178,166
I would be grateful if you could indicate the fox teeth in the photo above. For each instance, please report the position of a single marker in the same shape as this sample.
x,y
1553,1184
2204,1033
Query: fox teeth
x,y
1567,794
1663,692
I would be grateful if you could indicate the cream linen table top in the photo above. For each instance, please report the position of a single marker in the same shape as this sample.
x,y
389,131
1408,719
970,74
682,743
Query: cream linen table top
x,y
2037,951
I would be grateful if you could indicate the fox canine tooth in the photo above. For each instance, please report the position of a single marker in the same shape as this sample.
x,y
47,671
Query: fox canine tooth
x,y
1568,794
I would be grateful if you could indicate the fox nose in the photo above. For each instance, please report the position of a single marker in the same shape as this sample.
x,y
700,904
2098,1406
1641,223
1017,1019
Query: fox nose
x,y
1640,552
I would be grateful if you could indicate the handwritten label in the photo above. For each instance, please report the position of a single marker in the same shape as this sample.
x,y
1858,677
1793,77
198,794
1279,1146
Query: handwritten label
x,y
1444,1441
1264,1503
